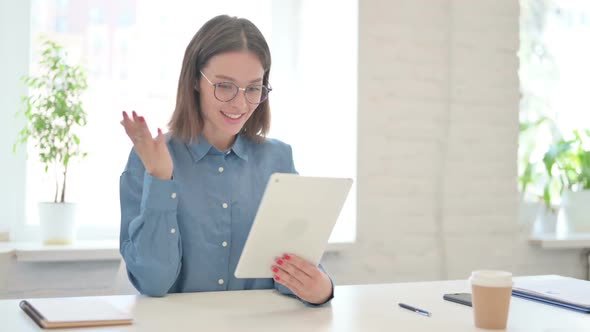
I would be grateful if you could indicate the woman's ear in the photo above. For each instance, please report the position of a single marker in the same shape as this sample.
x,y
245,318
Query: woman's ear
x,y
196,86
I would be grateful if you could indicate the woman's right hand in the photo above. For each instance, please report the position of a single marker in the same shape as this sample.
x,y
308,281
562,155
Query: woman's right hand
x,y
153,152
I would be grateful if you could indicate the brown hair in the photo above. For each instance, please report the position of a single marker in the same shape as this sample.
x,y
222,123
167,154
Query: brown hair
x,y
220,34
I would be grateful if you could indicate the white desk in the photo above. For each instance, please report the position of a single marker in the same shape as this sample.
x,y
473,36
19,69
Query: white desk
x,y
355,308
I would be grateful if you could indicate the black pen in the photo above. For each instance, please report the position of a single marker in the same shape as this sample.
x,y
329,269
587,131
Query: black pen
x,y
409,307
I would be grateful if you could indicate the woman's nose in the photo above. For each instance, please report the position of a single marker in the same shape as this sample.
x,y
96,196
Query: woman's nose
x,y
240,100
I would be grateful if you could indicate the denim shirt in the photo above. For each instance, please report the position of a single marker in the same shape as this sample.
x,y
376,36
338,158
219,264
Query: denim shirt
x,y
187,234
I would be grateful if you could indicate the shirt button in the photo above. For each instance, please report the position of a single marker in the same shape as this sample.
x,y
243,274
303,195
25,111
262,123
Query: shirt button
x,y
173,230
224,205
220,281
173,195
224,243
220,169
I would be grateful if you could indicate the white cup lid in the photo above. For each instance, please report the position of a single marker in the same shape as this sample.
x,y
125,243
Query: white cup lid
x,y
490,278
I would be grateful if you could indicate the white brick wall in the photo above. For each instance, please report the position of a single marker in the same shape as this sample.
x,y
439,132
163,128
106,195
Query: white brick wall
x,y
438,139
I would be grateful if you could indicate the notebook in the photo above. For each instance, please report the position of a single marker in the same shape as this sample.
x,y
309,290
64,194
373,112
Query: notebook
x,y
53,313
561,291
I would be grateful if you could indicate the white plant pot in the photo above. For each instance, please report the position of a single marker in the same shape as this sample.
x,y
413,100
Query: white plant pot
x,y
57,222
545,220
527,213
576,210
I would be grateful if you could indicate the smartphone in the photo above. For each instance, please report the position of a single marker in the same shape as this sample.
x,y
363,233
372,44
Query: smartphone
x,y
461,298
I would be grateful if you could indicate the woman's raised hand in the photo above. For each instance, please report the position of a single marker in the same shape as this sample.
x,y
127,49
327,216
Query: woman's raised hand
x,y
153,152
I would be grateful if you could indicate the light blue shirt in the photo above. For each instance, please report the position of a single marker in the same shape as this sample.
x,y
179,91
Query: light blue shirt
x,y
187,234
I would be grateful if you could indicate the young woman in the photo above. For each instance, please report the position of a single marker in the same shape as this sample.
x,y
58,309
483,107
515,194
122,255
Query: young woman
x,y
188,198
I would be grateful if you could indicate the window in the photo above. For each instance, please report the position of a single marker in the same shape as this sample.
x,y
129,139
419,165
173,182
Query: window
x,y
554,70
133,52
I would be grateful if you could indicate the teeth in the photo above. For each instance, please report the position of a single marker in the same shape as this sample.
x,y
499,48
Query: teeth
x,y
233,116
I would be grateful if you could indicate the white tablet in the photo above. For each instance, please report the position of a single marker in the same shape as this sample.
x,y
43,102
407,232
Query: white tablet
x,y
296,215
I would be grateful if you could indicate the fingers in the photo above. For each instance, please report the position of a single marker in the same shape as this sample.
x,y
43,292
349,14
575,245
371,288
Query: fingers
x,y
293,271
288,281
303,278
161,138
143,131
128,124
126,121
125,116
297,262
134,120
136,127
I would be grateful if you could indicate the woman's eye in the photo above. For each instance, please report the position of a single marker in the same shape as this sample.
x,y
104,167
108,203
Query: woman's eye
x,y
225,86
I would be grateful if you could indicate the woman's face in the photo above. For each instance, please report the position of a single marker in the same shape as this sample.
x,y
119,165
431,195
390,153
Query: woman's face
x,y
223,120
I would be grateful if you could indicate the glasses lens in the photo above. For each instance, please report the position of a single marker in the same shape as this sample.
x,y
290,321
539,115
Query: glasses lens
x,y
256,94
225,91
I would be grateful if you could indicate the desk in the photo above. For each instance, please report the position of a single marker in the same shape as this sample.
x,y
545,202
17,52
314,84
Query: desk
x,y
355,308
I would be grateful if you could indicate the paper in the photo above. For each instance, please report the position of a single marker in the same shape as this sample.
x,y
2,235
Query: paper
x,y
563,289
77,309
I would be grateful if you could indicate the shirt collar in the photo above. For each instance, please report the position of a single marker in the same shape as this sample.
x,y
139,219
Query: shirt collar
x,y
202,147
239,147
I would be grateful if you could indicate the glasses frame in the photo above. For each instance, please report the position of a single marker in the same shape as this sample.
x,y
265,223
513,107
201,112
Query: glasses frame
x,y
215,85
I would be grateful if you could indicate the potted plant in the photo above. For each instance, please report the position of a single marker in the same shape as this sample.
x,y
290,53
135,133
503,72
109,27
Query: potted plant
x,y
53,111
567,163
536,135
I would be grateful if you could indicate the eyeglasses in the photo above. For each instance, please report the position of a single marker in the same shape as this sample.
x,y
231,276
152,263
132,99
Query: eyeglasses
x,y
226,91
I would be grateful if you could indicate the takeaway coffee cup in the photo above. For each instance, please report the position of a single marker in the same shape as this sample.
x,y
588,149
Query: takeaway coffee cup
x,y
491,293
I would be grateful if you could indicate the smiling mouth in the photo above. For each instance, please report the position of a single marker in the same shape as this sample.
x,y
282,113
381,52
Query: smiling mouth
x,y
233,116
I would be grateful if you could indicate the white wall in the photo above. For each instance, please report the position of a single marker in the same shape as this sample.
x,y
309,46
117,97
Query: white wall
x,y
438,136
438,127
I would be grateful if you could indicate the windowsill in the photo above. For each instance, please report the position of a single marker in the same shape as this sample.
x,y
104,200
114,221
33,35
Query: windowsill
x,y
568,241
79,251
35,252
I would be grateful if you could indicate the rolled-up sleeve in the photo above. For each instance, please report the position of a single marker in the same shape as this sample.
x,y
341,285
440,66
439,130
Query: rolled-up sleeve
x,y
150,239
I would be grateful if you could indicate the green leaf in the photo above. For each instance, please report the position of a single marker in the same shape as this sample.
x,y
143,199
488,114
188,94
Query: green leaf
x,y
555,152
577,135
547,195
527,176
53,110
